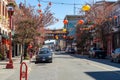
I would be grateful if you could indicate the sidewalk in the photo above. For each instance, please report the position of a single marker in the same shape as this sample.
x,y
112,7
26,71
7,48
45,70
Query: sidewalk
x,y
11,74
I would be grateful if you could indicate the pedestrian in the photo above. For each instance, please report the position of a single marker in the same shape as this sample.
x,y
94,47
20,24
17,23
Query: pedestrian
x,y
30,55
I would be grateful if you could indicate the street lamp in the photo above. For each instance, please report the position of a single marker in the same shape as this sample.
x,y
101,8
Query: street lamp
x,y
65,30
0,40
65,36
10,8
0,37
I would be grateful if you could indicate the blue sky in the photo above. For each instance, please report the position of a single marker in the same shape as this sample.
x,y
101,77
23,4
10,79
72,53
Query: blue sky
x,y
60,10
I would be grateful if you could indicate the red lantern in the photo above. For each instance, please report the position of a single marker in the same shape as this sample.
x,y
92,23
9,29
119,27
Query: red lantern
x,y
81,29
84,29
49,3
39,11
39,5
80,22
3,41
71,37
87,28
65,21
89,21
41,15
64,36
110,19
30,46
115,17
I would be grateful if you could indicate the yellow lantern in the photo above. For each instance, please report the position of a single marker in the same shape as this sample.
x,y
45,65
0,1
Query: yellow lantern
x,y
64,30
56,37
86,8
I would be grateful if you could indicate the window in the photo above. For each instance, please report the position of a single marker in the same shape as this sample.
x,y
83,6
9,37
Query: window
x,y
42,52
0,7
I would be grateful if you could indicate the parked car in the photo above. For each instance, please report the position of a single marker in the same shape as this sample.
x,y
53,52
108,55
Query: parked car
x,y
44,55
70,50
115,56
97,53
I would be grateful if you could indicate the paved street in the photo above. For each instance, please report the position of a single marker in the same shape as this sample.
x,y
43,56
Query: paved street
x,y
73,67
65,67
12,74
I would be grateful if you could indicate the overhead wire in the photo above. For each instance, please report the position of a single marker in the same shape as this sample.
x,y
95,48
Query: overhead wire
x,y
62,3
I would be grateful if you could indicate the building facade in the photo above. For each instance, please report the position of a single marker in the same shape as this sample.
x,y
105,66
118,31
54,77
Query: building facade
x,y
114,35
71,28
4,29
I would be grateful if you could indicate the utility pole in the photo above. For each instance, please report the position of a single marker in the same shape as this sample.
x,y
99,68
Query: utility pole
x,y
24,2
74,7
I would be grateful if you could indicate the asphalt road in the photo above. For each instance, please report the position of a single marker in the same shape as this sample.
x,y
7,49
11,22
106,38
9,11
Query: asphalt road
x,y
74,67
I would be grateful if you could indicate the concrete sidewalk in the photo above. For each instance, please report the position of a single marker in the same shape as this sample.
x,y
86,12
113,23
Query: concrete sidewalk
x,y
11,74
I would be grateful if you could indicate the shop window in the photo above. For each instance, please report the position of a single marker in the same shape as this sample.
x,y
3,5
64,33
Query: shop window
x,y
0,7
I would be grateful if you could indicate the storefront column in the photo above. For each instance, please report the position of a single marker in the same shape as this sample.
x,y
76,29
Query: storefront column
x,y
109,45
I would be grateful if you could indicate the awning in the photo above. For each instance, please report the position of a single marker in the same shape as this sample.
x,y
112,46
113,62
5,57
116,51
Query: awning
x,y
5,36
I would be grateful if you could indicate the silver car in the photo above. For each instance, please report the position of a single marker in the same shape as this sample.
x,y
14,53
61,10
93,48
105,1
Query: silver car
x,y
115,56
44,55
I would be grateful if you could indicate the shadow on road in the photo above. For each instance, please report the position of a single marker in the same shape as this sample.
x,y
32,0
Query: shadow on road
x,y
103,61
105,75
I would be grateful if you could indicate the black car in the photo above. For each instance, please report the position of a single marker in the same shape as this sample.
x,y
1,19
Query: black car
x,y
115,55
97,53
44,55
70,50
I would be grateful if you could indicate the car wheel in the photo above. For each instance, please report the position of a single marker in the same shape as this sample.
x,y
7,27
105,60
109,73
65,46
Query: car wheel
x,y
36,62
111,60
94,56
103,56
89,56
119,61
115,60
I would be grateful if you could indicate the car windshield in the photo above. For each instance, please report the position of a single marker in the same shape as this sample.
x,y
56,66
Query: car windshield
x,y
43,52
44,49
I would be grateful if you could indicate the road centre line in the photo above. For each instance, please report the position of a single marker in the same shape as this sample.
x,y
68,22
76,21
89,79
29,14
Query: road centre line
x,y
88,62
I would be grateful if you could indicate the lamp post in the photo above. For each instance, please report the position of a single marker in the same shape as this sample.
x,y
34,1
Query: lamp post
x,y
0,37
65,30
65,36
10,8
0,40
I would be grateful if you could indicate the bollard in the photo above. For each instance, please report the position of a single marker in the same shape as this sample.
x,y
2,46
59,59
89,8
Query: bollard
x,y
23,74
